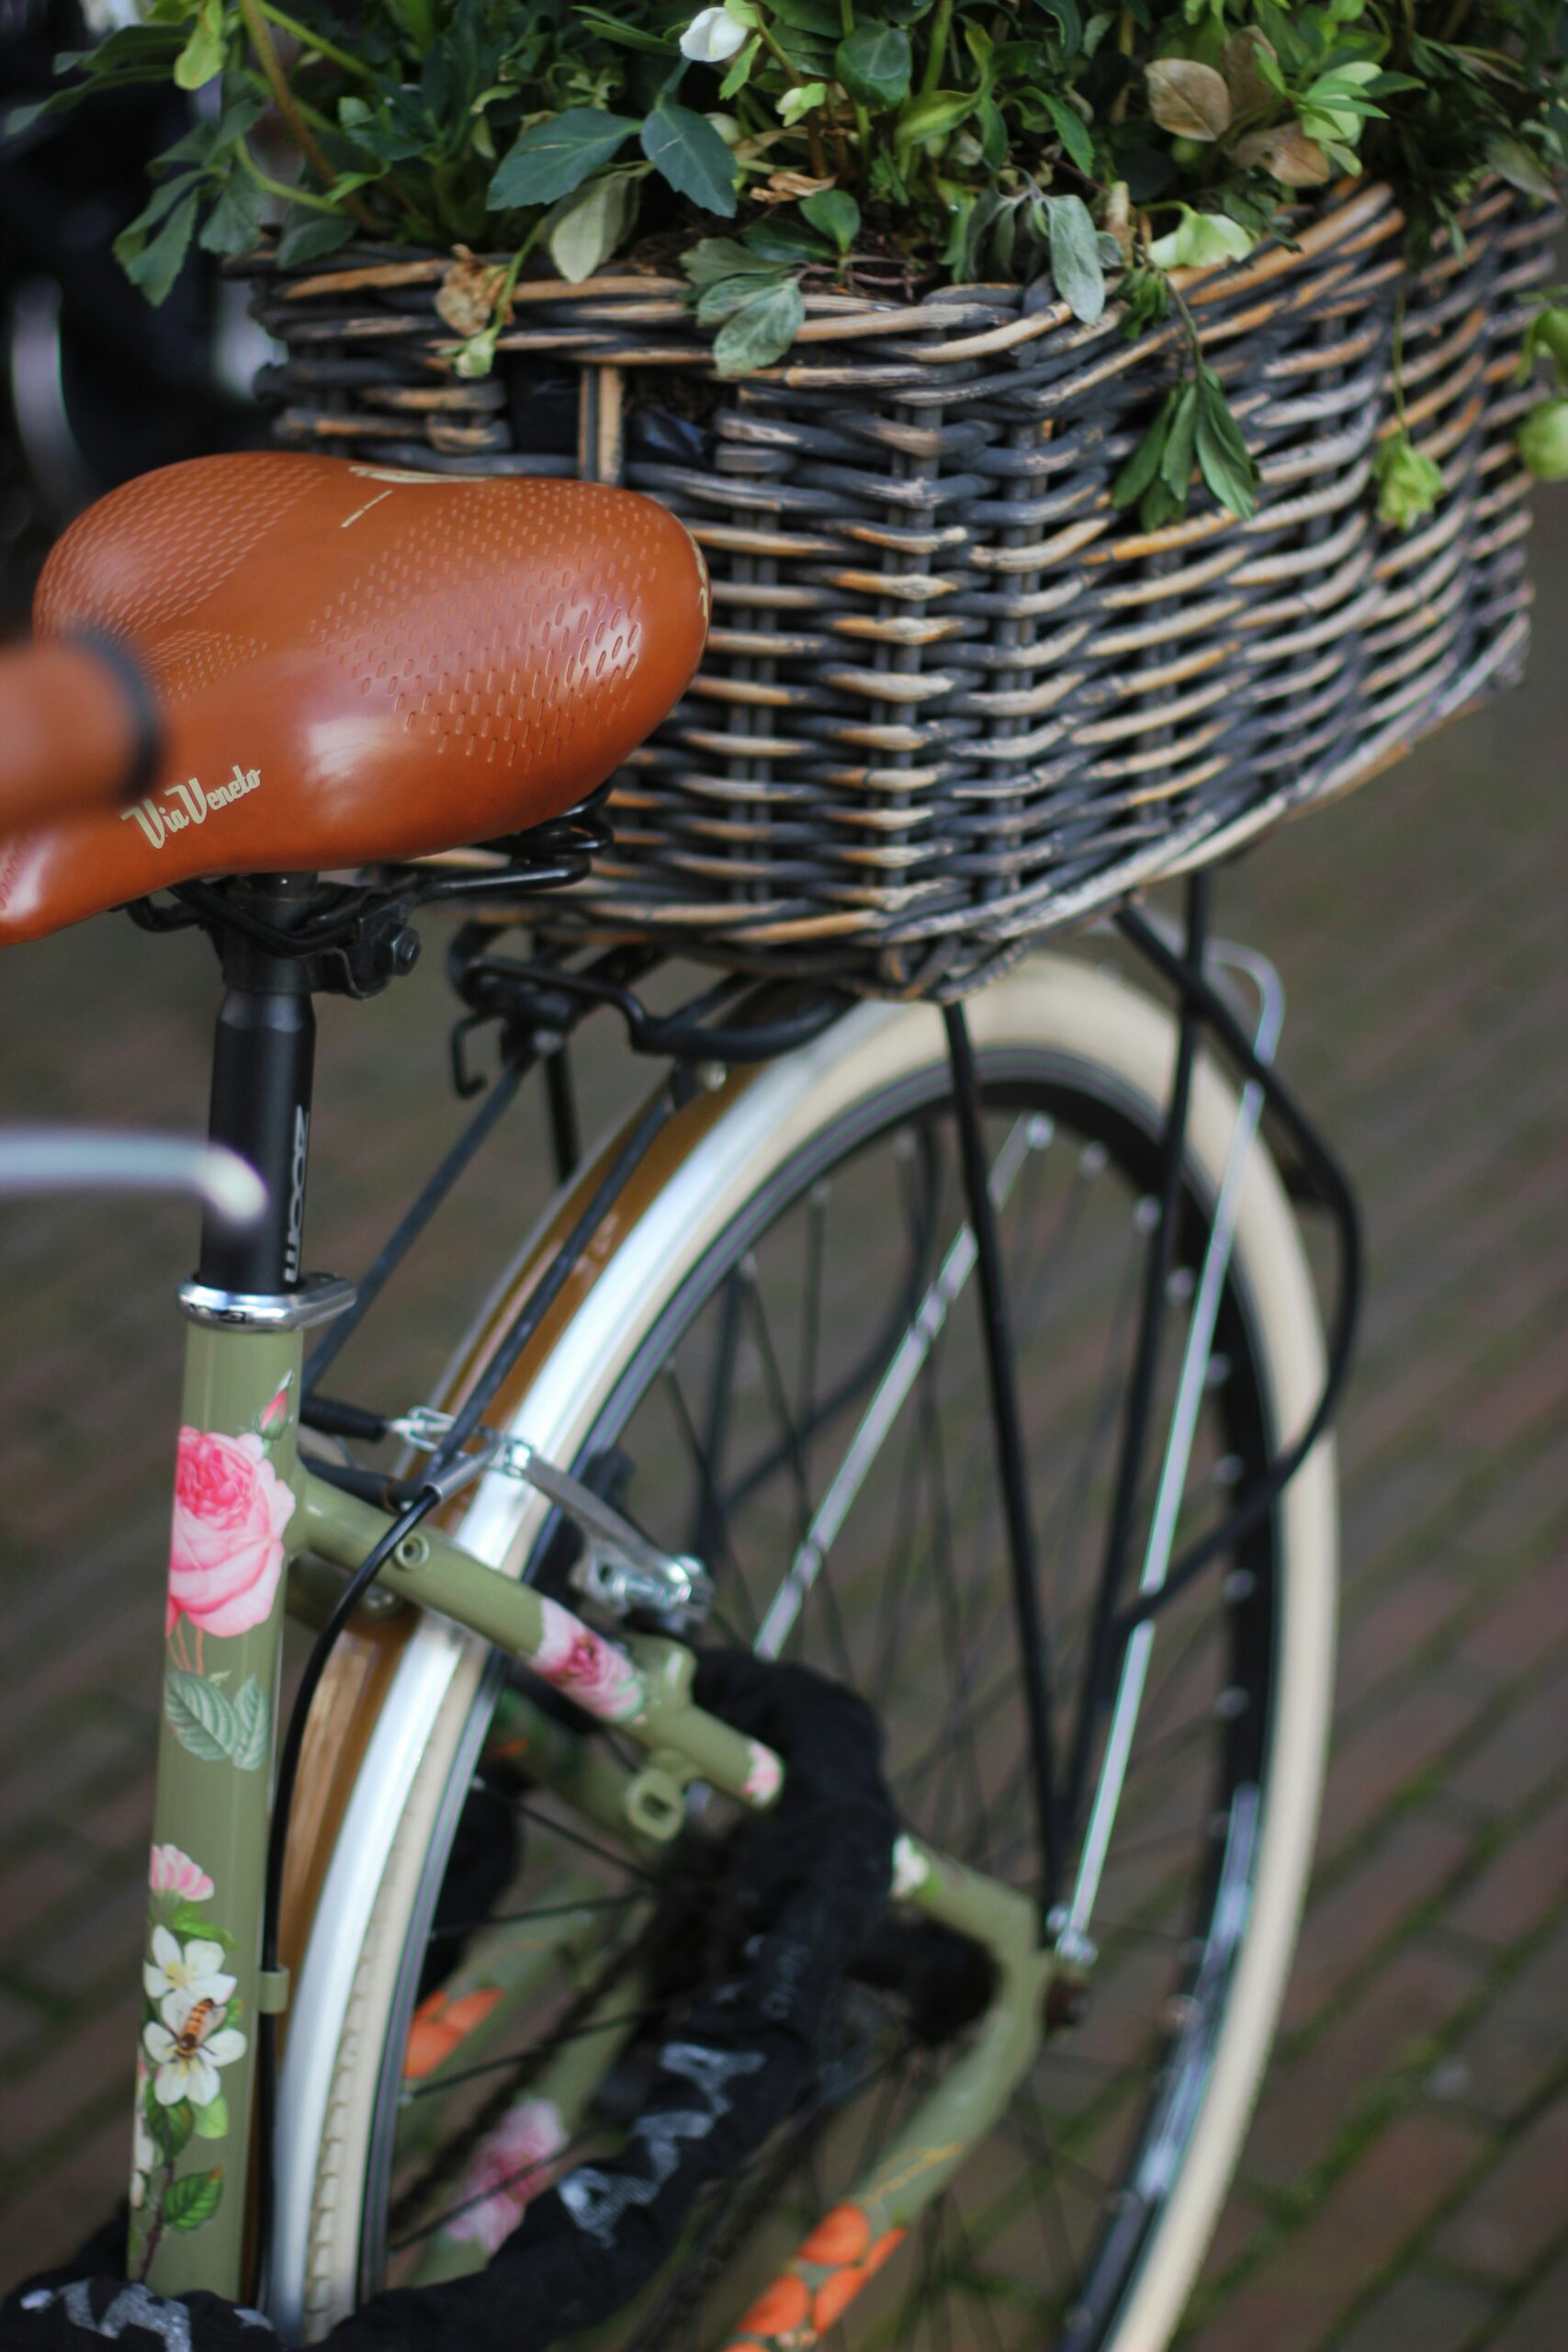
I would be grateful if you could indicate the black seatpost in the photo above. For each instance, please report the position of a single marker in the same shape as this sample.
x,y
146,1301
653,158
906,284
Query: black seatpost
x,y
263,1063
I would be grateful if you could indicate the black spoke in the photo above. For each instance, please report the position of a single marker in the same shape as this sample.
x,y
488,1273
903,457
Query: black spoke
x,y
734,1424
446,1930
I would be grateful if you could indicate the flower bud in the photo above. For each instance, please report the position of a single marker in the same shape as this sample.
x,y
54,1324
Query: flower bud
x,y
477,357
1409,485
713,36
1543,440
1547,331
1200,241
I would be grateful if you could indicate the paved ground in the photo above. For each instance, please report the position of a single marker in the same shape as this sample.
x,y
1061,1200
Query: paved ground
x,y
1404,2182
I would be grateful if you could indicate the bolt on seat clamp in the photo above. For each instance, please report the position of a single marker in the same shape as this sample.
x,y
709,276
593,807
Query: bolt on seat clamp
x,y
317,1299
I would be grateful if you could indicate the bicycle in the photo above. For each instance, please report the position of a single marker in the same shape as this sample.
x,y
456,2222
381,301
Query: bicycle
x,y
541,1842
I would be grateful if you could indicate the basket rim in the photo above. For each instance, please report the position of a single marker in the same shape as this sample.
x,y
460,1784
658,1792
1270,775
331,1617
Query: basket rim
x,y
952,323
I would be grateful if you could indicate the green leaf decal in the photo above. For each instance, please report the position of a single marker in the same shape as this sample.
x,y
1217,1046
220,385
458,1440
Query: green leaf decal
x,y
171,2126
201,1717
193,2199
214,1727
253,1716
555,157
212,2121
686,150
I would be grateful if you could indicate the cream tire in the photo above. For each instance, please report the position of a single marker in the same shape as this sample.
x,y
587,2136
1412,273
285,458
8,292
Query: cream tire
x,y
379,1886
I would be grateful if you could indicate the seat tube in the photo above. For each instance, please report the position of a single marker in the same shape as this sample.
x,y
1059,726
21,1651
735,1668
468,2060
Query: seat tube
x,y
235,1521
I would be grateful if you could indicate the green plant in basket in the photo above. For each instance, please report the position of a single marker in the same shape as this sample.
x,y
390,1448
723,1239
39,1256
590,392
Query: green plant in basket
x,y
782,150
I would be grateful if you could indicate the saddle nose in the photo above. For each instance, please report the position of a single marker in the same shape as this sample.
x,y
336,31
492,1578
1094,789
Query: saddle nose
x,y
356,666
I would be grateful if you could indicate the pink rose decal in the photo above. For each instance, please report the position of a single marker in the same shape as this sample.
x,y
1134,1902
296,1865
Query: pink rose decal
x,y
601,1678
764,1774
173,1872
226,1547
507,2173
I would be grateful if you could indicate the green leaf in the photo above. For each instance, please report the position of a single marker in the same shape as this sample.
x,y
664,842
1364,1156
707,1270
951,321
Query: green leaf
x,y
1188,99
1074,257
235,223
934,117
803,99
1200,241
192,2201
309,235
818,16
547,161
1142,467
171,2126
1071,129
154,266
740,73
1233,478
875,64
836,214
763,331
717,303
775,237
1176,464
253,1718
1160,505
711,258
592,227
202,58
1520,165
686,150
627,36
212,2121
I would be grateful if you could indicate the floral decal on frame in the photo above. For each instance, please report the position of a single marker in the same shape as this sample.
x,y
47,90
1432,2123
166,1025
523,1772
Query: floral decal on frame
x,y
226,1556
189,2034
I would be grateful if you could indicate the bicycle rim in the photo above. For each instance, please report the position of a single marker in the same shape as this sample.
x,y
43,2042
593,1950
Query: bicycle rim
x,y
1063,2224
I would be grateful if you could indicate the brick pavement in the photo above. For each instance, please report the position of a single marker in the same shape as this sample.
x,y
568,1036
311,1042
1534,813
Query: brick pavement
x,y
1404,2182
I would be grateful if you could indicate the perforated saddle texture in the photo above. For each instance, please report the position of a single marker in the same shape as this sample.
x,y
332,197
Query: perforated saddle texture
x,y
357,665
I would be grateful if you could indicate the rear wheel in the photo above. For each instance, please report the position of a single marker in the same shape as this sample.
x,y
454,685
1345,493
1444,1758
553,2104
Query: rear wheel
x,y
748,1370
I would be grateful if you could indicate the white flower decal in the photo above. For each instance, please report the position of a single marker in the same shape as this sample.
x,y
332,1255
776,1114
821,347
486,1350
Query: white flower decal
x,y
712,36
197,1970
143,2147
187,2042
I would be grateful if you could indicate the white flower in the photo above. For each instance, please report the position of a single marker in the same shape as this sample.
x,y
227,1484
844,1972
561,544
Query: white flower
x,y
910,1868
197,1970
712,36
187,2048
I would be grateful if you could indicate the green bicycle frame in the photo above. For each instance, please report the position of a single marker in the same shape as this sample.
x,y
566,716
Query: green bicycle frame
x,y
244,1508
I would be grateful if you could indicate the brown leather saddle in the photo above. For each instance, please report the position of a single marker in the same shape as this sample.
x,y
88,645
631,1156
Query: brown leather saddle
x,y
356,666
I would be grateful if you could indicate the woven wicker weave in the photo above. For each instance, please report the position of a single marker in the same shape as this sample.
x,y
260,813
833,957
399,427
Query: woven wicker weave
x,y
952,699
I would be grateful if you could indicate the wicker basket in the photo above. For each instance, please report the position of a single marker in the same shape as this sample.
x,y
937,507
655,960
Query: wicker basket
x,y
952,699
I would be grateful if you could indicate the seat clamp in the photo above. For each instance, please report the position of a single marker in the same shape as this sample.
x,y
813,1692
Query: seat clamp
x,y
317,1299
